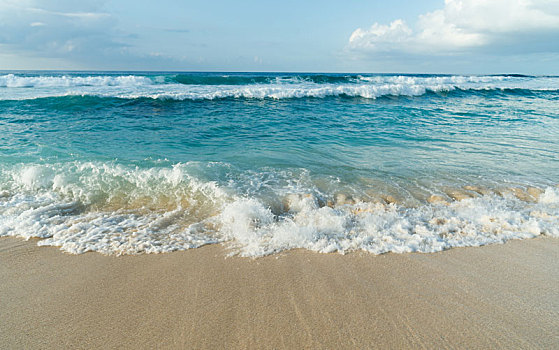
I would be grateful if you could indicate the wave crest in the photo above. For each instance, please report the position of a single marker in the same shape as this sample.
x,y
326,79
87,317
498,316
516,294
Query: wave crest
x,y
212,86
17,81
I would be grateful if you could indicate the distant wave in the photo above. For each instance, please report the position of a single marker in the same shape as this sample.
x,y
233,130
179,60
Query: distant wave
x,y
218,80
189,79
223,86
291,92
41,81
17,81
281,93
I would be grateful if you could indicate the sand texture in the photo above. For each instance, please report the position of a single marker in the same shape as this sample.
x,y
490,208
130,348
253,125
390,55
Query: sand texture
x,y
498,296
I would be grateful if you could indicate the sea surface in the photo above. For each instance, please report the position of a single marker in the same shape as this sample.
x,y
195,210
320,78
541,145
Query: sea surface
x,y
130,163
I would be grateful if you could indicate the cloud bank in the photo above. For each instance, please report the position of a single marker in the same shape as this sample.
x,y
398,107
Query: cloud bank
x,y
467,26
73,34
63,29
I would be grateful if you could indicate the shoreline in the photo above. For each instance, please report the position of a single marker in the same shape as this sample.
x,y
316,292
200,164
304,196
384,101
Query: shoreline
x,y
493,296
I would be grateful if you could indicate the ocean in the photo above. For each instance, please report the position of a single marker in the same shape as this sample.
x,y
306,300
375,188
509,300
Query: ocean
x,y
153,162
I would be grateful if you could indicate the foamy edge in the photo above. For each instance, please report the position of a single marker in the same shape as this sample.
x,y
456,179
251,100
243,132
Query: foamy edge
x,y
58,204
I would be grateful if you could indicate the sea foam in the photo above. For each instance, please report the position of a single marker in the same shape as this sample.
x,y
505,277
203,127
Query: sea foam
x,y
114,209
194,87
17,81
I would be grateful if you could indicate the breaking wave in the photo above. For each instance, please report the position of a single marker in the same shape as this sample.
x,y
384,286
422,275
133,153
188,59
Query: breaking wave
x,y
116,209
214,86
17,81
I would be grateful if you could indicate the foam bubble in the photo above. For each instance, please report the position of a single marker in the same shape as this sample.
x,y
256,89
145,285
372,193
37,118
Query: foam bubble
x,y
34,177
549,196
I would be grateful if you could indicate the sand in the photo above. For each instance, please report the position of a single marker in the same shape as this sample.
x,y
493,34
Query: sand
x,y
498,296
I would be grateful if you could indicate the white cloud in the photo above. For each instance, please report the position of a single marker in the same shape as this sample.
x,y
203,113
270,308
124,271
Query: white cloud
x,y
382,37
80,15
66,34
490,26
48,29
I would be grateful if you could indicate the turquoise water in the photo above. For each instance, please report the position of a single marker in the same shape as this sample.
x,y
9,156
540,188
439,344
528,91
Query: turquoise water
x,y
125,163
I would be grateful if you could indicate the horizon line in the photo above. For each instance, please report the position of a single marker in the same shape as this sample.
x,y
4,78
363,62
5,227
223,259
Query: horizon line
x,y
515,74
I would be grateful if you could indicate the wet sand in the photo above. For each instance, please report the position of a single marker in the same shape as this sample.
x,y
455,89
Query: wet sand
x,y
498,296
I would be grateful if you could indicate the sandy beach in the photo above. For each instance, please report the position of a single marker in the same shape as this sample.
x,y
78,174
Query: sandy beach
x,y
497,296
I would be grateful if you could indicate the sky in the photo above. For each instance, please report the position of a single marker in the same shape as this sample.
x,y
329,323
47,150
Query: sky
x,y
397,36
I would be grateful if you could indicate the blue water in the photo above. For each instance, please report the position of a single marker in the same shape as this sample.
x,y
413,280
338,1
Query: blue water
x,y
152,162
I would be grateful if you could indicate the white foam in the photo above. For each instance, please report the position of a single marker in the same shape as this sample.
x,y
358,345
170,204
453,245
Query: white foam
x,y
550,196
115,209
430,80
64,224
18,81
380,228
35,177
107,208
288,91
371,87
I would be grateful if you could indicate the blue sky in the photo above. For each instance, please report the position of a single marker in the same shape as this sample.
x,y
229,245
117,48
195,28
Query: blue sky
x,y
430,36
